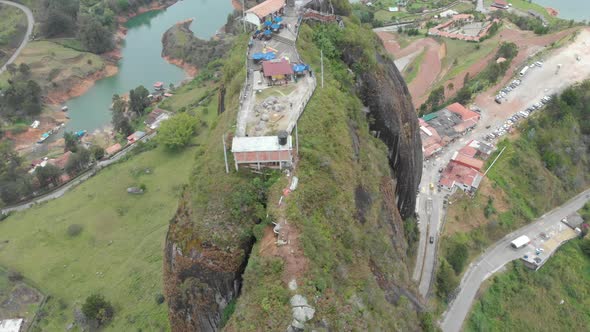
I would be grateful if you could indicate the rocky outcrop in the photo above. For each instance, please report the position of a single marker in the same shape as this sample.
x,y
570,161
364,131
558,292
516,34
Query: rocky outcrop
x,y
180,45
200,278
385,93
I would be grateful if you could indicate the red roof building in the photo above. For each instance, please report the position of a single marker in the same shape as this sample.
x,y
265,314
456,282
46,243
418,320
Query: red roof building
x,y
276,69
463,112
500,4
459,176
111,150
468,151
468,161
258,14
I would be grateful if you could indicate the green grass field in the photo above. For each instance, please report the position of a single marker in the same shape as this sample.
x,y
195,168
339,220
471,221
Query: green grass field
x,y
525,300
413,68
52,63
461,55
119,251
13,25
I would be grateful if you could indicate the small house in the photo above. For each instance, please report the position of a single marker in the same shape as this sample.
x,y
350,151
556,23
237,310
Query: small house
x,y
277,70
263,151
155,118
111,150
136,136
500,4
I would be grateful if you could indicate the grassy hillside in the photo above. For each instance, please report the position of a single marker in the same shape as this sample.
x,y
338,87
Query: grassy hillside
x,y
119,251
353,261
525,300
55,67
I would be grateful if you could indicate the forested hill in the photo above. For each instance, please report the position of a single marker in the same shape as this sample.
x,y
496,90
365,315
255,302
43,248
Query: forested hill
x,y
92,22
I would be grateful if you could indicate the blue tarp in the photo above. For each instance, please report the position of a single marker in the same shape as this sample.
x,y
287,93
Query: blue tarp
x,y
80,133
275,26
269,56
298,68
267,32
267,23
278,19
264,56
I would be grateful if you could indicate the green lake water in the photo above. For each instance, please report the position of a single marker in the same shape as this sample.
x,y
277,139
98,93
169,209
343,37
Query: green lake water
x,y
568,9
142,63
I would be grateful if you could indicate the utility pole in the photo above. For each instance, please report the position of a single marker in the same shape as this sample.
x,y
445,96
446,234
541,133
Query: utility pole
x,y
224,153
244,14
322,65
296,139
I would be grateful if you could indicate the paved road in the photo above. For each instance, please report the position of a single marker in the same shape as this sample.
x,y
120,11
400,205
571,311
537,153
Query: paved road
x,y
31,23
499,255
63,189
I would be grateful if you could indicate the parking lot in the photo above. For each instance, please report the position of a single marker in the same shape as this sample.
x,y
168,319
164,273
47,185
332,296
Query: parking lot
x,y
524,94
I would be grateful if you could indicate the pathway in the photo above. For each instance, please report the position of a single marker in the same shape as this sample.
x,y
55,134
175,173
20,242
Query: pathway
x,y
499,255
30,24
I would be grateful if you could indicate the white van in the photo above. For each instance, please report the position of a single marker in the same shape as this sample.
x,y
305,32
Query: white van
x,y
520,242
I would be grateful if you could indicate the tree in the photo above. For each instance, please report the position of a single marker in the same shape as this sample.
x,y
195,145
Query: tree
x,y
138,99
97,152
177,131
59,17
450,86
78,161
94,35
446,280
119,120
98,309
457,256
24,69
71,141
48,175
585,246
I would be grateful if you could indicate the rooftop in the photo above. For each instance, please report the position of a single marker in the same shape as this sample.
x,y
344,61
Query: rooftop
x,y
274,68
11,325
266,8
468,161
461,174
463,112
260,143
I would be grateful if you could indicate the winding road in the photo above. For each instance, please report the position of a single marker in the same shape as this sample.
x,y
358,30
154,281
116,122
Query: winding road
x,y
30,22
499,255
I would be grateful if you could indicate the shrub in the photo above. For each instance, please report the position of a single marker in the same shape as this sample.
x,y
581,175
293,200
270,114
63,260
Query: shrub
x,y
98,309
15,276
160,298
74,230
177,132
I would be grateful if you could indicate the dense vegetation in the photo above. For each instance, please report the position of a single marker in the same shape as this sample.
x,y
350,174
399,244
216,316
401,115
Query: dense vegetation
x,y
22,97
548,163
13,25
553,298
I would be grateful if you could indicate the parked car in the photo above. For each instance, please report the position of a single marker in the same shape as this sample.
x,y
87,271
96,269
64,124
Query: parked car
x,y
431,239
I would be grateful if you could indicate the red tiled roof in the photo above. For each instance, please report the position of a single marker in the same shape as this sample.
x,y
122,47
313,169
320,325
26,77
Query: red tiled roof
x,y
463,112
113,149
460,174
274,68
468,161
468,151
266,8
501,2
